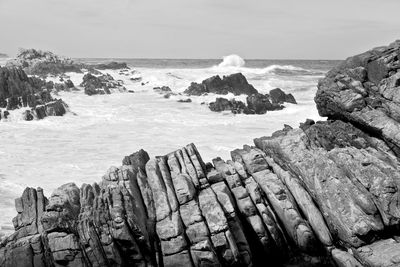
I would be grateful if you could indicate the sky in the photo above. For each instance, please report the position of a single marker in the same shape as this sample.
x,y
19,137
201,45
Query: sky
x,y
263,29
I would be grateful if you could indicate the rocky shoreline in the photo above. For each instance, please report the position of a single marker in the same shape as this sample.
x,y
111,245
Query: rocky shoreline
x,y
323,194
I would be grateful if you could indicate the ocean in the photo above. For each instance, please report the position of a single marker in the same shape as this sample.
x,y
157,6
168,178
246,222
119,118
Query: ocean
x,y
80,146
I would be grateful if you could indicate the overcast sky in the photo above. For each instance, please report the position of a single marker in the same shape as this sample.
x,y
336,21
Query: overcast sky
x,y
269,29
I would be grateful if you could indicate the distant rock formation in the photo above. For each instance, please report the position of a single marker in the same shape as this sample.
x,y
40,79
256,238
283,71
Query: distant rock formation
x,y
100,85
324,194
17,90
43,63
2,55
236,84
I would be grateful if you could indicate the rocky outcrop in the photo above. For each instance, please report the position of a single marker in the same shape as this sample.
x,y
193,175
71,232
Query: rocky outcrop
x,y
42,63
256,104
364,91
100,85
2,55
235,83
17,90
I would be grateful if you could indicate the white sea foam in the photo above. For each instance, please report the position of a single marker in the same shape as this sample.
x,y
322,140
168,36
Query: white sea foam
x,y
81,147
232,61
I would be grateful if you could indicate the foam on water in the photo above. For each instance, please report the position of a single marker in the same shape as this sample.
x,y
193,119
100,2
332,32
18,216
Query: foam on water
x,y
81,146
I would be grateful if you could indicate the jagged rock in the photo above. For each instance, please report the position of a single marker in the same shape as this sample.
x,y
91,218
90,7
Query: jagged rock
x,y
260,104
103,84
222,104
42,63
234,83
364,91
17,90
279,97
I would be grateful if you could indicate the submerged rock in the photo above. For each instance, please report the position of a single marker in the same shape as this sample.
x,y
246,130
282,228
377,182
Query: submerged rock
x,y
187,100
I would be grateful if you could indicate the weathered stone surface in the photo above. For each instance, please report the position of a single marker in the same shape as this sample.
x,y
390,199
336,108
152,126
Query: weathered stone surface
x,y
383,253
363,90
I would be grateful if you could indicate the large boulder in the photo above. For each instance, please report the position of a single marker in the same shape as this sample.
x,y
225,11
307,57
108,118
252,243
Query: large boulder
x,y
236,84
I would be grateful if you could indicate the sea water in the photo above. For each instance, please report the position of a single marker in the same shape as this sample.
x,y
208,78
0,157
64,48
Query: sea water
x,y
100,130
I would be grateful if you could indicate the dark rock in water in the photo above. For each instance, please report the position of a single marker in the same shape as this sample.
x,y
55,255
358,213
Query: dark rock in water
x,y
260,104
6,114
18,90
110,66
162,89
100,85
131,91
67,85
28,115
279,97
222,104
256,104
136,79
187,100
235,83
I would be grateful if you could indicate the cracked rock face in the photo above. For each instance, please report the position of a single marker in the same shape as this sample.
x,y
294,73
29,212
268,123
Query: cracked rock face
x,y
324,194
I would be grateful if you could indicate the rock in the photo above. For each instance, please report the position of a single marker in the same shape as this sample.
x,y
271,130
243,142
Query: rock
x,y
2,55
43,63
110,66
234,83
27,115
17,90
187,100
100,85
260,104
222,104
162,89
364,91
279,97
